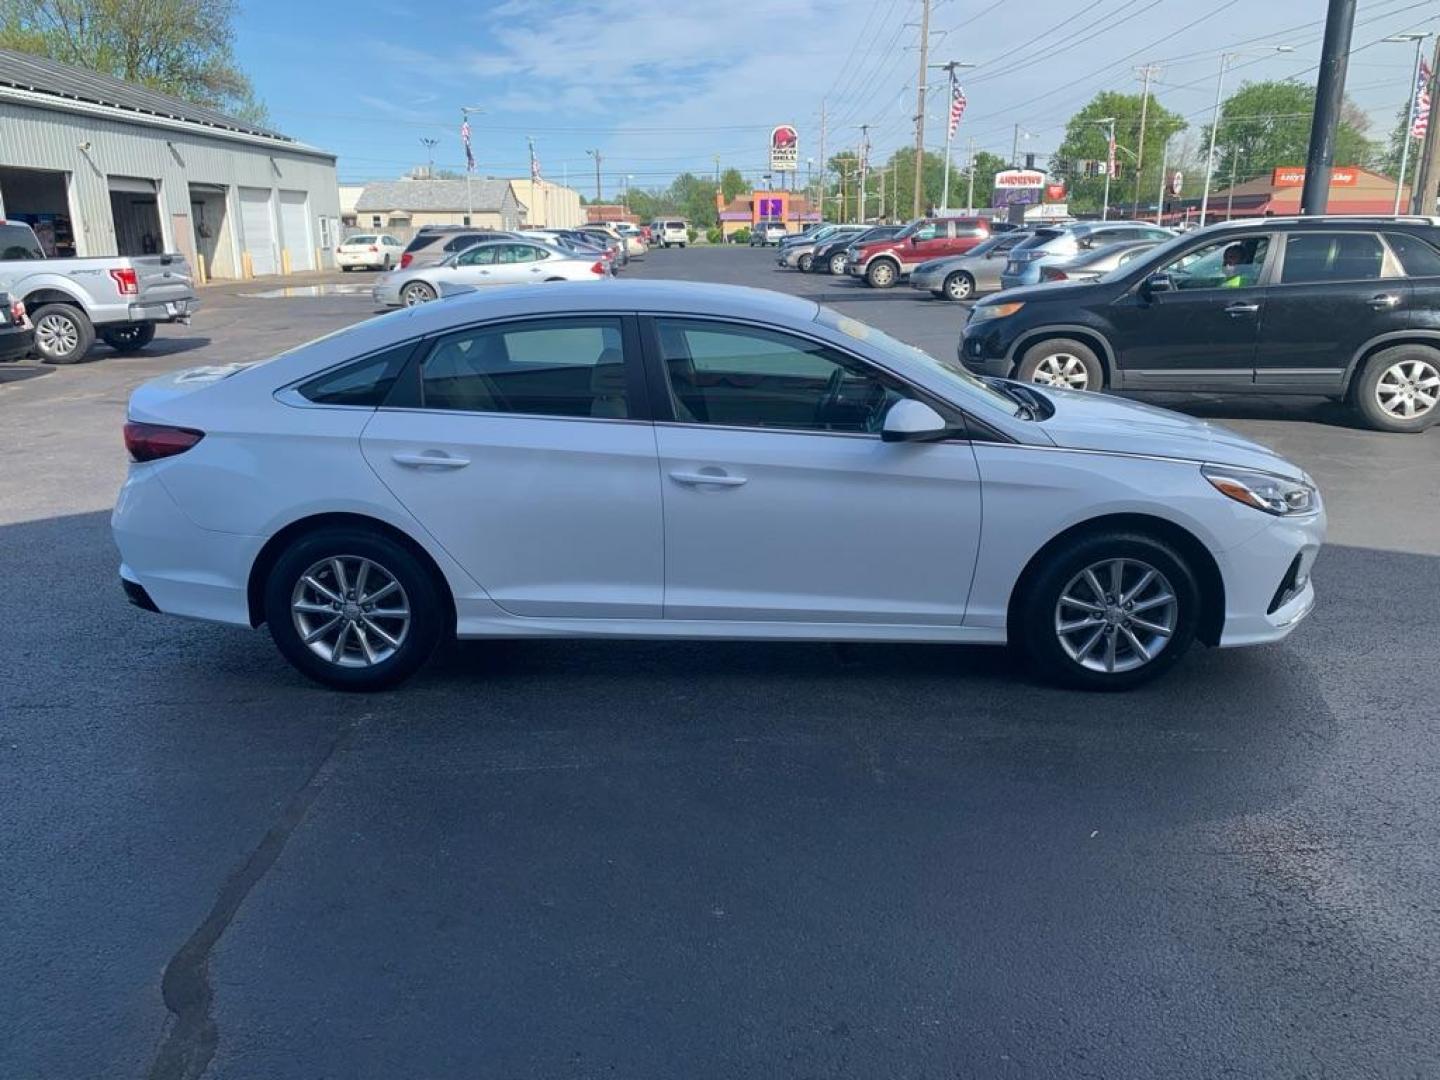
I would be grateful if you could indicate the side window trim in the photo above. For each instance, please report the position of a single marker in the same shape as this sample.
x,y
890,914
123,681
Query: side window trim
x,y
407,393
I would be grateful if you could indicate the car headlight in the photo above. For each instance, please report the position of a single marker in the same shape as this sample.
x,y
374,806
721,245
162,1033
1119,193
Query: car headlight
x,y
985,312
1264,491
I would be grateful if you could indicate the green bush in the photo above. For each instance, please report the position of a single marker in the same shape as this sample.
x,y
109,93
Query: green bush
x,y
741,236
713,236
693,233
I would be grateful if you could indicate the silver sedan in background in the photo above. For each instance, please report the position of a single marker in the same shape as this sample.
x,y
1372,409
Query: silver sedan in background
x,y
1091,265
495,262
962,277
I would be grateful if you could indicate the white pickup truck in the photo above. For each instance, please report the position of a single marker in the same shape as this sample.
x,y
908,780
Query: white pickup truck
x,y
70,301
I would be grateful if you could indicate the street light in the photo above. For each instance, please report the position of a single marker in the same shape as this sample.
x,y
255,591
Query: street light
x,y
1419,39
1225,59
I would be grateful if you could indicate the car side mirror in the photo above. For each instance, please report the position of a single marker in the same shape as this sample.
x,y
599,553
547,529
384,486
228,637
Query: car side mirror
x,y
912,421
1158,282
914,240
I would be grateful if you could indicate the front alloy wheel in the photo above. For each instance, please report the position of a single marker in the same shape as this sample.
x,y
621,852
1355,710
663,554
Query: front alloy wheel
x,y
417,292
837,264
959,286
806,262
1116,615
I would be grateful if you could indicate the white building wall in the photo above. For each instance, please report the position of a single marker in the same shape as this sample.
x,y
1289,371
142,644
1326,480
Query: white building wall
x,y
90,148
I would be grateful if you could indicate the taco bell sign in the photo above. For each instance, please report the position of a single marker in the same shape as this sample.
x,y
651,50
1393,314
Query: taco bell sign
x,y
784,149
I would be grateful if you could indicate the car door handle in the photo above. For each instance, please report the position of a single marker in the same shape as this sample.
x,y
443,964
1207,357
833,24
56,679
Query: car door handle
x,y
1384,300
1241,309
719,479
429,460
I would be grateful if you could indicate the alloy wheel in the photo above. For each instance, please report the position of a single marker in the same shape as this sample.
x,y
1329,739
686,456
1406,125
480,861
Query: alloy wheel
x,y
1116,615
350,611
957,286
1062,369
416,294
837,264
1408,389
56,335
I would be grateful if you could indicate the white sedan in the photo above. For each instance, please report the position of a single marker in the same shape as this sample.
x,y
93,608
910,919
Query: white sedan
x,y
372,251
661,459
493,262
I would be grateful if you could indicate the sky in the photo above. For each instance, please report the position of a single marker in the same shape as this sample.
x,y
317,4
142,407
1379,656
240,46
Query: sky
x,y
664,86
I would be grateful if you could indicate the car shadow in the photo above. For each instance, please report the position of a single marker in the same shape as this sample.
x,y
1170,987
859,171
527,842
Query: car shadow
x,y
14,373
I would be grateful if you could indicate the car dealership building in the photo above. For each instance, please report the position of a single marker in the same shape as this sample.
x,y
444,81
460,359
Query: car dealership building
x,y
99,166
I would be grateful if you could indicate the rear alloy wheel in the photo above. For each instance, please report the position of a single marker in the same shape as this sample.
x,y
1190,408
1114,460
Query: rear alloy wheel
x,y
881,274
353,609
130,337
1109,612
417,292
837,264
806,262
959,286
1062,363
63,335
1399,390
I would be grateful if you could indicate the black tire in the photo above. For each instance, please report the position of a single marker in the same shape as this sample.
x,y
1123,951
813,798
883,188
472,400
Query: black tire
x,y
1039,611
1063,363
130,337
806,261
1399,376
421,594
958,286
881,274
416,292
69,335
837,263
346,269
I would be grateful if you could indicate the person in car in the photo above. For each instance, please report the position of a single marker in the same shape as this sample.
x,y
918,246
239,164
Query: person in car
x,y
1240,271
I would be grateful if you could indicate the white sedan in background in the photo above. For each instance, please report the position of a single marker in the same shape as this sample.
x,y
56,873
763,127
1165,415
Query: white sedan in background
x,y
370,251
669,460
493,262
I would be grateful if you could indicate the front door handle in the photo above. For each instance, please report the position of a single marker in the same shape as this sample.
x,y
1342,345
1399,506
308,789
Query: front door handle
x,y
719,479
1384,300
1241,309
431,460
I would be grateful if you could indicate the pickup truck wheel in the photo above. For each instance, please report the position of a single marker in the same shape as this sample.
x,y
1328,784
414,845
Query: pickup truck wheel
x,y
881,274
130,337
63,335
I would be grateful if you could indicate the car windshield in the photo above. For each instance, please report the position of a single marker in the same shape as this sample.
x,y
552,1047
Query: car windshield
x,y
360,240
956,377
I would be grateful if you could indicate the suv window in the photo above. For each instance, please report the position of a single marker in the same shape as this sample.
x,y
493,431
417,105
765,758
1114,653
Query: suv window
x,y
1232,263
464,240
1318,256
365,382
421,241
743,376
18,242
1417,257
555,367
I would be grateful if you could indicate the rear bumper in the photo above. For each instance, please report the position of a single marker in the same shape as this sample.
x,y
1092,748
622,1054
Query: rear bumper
x,y
165,310
360,258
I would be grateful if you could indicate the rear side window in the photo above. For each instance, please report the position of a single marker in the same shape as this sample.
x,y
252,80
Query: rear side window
x,y
1417,257
464,240
422,241
18,242
365,383
1318,257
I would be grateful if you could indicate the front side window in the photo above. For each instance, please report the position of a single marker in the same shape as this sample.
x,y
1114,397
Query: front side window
x,y
929,231
741,376
364,383
1417,257
1319,257
1232,263
558,367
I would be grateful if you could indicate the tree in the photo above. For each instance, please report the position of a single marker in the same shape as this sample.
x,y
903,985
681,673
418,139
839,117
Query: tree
x,y
986,166
732,184
695,199
184,48
1265,125
1086,140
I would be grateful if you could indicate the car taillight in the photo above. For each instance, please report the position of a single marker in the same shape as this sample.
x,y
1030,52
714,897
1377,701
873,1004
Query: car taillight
x,y
1054,275
126,281
17,311
150,442
374,248
405,260
598,268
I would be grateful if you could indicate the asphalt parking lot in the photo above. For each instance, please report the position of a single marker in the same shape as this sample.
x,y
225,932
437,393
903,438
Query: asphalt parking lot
x,y
570,859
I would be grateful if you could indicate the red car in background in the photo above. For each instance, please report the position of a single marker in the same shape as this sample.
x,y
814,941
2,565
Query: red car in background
x,y
882,263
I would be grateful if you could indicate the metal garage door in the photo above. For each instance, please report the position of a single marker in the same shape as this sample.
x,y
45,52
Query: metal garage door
x,y
295,230
258,229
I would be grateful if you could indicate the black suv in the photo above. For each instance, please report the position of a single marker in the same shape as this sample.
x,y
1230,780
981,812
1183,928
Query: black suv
x,y
1346,307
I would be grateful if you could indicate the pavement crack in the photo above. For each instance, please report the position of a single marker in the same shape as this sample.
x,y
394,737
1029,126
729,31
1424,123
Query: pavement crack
x,y
191,1041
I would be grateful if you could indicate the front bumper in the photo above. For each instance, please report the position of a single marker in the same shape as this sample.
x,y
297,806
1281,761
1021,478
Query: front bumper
x,y
982,349
387,294
1268,591
933,280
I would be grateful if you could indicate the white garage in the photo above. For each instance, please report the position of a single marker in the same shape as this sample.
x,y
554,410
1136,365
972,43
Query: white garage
x,y
295,235
257,228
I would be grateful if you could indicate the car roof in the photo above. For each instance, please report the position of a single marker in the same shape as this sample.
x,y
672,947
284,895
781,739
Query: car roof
x,y
1325,221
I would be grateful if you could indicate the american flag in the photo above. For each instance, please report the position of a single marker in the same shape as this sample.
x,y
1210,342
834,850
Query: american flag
x,y
534,167
957,108
465,138
1420,120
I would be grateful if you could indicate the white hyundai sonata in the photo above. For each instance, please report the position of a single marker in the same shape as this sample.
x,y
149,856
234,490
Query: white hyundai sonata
x,y
657,459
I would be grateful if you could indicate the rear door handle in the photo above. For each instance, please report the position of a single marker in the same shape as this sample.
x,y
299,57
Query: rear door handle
x,y
1241,309
719,479
1384,300
433,460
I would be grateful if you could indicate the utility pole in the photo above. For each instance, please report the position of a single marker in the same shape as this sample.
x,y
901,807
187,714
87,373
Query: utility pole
x,y
920,105
970,191
1230,195
1148,72
880,213
864,173
1109,164
1164,164
1427,171
1015,149
823,166
596,155
1329,94
429,145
